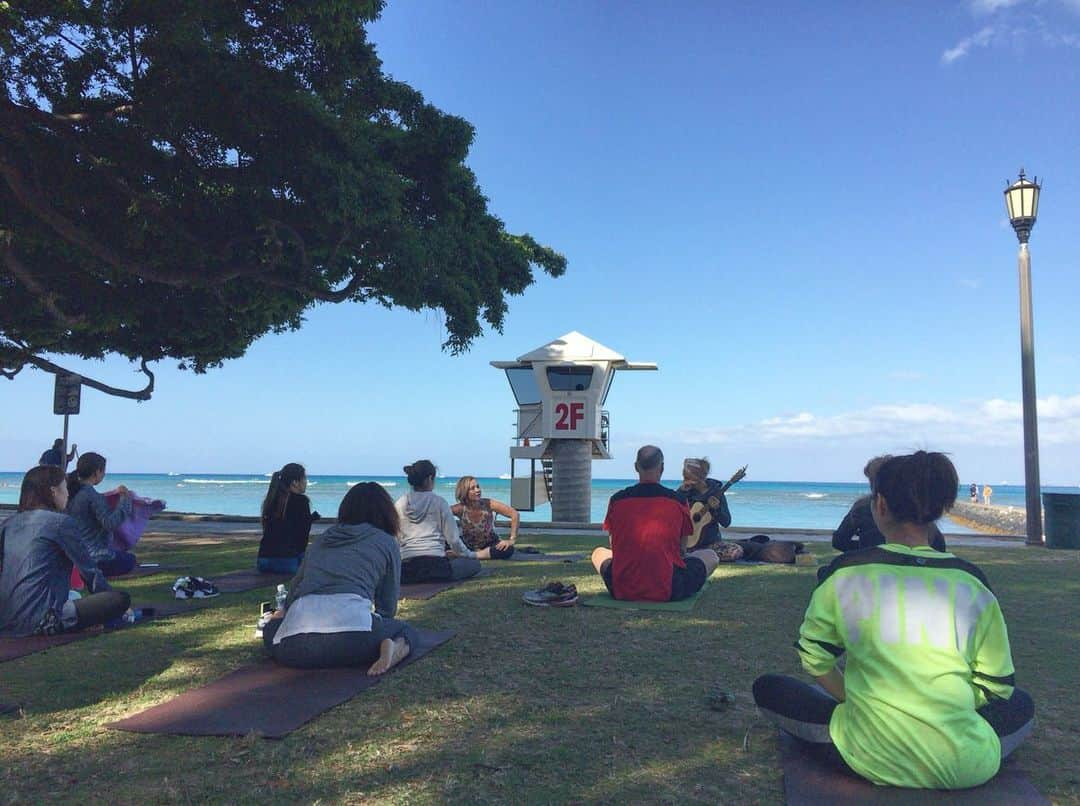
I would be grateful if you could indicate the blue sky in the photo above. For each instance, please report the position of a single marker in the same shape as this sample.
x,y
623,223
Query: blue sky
x,y
794,209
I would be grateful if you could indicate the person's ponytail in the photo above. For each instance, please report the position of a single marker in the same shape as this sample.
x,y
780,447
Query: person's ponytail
x,y
918,488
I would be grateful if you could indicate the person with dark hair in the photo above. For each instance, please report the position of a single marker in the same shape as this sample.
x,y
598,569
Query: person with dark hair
x,y
340,611
96,522
286,521
648,524
39,546
427,528
476,520
927,698
858,531
55,455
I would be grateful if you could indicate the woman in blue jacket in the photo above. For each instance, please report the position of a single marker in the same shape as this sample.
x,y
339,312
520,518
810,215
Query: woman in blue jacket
x,y
95,521
38,548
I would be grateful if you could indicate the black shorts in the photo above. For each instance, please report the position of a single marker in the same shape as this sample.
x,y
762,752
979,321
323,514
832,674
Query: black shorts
x,y
685,582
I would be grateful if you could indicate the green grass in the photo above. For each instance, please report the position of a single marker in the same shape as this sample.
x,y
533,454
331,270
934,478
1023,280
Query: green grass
x,y
524,705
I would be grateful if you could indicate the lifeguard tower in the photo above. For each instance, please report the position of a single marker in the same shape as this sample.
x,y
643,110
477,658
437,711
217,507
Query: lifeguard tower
x,y
560,390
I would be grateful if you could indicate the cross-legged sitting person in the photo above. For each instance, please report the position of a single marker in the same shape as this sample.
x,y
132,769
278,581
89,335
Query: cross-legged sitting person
x,y
648,525
427,528
927,697
38,548
476,519
348,572
858,531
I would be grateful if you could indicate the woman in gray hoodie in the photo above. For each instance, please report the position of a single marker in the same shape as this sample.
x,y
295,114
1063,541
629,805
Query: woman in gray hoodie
x,y
427,528
340,611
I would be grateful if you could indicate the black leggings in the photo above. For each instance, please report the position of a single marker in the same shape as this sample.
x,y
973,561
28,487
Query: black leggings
x,y
437,569
99,608
310,650
804,711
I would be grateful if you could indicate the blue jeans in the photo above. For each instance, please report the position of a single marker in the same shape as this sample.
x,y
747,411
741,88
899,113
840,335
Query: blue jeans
x,y
279,565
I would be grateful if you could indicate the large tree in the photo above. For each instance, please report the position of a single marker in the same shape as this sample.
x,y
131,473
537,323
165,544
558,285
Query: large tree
x,y
179,178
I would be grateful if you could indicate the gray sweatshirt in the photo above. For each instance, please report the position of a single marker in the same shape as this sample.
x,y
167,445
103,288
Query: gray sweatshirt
x,y
352,558
427,526
96,522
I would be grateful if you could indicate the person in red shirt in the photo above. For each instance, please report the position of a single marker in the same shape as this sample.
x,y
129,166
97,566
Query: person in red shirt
x,y
648,525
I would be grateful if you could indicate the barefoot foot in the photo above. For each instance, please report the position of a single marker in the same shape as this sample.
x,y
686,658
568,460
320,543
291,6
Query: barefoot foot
x,y
391,653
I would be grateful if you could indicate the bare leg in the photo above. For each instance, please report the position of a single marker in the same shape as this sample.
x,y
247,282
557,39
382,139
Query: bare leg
x,y
599,555
392,651
707,556
483,554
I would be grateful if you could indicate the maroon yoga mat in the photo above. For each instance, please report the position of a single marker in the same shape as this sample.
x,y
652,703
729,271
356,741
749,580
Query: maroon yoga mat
x,y
145,571
12,648
808,782
425,590
265,698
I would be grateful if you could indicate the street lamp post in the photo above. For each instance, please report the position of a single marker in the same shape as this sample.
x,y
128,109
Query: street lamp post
x,y
1022,203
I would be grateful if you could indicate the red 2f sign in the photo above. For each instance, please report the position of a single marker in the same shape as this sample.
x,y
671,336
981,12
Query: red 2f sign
x,y
568,415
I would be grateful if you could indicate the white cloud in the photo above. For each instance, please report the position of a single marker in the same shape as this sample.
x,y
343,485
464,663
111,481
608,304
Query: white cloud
x,y
990,6
979,39
994,422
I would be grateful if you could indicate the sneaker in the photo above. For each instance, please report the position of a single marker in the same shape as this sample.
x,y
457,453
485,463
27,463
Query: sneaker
x,y
554,594
194,588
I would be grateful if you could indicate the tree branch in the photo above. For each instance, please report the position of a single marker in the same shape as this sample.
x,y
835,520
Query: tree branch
x,y
48,366
47,299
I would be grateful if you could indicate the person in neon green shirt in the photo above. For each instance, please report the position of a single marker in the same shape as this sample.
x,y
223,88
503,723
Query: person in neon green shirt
x,y
927,698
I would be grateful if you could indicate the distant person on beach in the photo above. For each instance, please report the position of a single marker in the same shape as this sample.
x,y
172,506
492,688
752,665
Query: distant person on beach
x,y
340,611
427,528
707,495
286,521
95,520
55,455
987,492
974,491
859,531
476,520
926,698
40,545
648,525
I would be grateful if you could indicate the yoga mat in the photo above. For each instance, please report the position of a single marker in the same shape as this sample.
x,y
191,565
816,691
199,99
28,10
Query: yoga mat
x,y
808,782
547,558
144,571
8,708
12,648
682,606
425,590
265,698
245,579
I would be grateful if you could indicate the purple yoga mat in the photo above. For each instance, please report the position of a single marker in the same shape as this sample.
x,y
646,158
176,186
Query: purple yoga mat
x,y
807,782
265,698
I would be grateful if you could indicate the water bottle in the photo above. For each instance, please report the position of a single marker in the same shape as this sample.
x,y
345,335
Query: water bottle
x,y
280,597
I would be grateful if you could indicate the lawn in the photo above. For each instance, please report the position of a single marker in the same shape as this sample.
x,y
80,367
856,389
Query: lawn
x,y
524,705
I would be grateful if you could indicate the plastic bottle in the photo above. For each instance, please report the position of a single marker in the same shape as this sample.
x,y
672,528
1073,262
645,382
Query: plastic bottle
x,y
281,596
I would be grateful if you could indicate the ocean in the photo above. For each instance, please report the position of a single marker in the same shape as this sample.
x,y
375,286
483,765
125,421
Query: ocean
x,y
792,504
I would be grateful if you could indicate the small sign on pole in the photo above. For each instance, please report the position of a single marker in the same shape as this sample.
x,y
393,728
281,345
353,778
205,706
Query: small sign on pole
x,y
67,394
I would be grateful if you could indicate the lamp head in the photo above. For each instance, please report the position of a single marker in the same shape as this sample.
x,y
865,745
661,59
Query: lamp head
x,y
1022,204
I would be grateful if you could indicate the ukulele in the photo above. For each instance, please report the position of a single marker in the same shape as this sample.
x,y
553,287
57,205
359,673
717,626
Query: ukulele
x,y
701,514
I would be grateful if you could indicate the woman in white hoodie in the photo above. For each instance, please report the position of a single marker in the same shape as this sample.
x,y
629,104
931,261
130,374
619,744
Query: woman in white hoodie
x,y
427,528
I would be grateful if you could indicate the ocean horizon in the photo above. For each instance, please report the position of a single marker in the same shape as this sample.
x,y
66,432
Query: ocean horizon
x,y
784,504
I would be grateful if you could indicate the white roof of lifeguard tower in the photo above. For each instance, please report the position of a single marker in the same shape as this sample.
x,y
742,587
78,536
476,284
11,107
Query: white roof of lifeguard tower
x,y
571,348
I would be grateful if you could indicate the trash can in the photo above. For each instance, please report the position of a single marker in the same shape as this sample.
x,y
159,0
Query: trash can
x,y
1062,520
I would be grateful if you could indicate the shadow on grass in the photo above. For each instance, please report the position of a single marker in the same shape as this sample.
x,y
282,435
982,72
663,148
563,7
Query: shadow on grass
x,y
525,704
